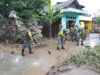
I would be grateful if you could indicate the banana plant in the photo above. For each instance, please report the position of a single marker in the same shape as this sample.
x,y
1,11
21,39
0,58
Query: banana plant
x,y
51,15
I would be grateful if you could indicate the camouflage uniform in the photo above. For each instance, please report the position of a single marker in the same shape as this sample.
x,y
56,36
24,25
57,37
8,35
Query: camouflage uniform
x,y
27,41
61,39
72,33
86,32
76,37
80,36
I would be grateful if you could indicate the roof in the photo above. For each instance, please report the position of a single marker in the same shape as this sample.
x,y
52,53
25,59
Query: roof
x,y
66,4
74,10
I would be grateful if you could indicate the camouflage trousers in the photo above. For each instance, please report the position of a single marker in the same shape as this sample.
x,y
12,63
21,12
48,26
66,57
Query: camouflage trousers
x,y
80,40
60,41
27,44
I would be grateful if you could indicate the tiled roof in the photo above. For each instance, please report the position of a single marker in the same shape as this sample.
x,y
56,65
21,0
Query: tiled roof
x,y
64,4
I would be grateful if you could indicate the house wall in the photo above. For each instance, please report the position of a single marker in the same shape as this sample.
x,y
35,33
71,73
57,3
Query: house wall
x,y
63,22
77,21
77,17
87,24
69,16
95,26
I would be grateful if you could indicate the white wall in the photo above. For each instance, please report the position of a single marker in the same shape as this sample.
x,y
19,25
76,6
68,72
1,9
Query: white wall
x,y
85,18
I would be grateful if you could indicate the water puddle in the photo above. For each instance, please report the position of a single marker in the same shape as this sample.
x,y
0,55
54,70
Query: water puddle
x,y
16,65
94,39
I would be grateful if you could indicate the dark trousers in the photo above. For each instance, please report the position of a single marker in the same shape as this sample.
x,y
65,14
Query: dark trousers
x,y
75,36
72,36
61,42
78,41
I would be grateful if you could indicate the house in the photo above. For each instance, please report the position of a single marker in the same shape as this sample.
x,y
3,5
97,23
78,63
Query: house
x,y
95,24
72,15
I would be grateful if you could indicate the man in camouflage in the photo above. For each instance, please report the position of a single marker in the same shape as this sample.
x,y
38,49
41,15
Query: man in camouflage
x,y
76,28
27,40
61,40
80,36
72,33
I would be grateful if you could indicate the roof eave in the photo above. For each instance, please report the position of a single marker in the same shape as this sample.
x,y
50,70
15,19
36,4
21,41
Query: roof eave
x,y
68,10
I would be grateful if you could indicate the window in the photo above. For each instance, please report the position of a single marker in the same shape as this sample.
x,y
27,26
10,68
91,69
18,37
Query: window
x,y
70,17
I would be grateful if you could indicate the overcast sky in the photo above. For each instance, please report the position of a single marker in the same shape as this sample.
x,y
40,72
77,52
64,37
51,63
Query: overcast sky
x,y
90,5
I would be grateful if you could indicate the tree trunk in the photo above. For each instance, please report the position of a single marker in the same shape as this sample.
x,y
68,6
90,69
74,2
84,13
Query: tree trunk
x,y
50,32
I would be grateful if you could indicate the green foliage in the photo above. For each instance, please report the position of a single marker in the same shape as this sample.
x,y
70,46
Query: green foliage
x,y
1,35
5,7
1,18
51,14
90,57
24,8
97,29
27,10
98,19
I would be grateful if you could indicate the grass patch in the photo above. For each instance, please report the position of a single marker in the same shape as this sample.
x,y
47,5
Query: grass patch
x,y
89,57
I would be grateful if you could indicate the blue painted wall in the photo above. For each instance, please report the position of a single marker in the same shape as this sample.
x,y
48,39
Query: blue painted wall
x,y
65,18
63,22
77,21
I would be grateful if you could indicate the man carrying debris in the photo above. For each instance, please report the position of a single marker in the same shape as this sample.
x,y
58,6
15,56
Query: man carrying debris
x,y
27,40
61,40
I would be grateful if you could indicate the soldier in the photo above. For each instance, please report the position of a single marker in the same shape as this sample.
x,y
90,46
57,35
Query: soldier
x,y
86,32
67,35
27,40
72,33
75,32
80,36
61,40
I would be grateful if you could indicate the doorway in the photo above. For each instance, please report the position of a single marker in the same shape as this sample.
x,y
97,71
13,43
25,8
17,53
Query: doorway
x,y
70,23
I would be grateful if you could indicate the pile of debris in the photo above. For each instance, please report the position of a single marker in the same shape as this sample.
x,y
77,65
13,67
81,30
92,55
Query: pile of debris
x,y
12,28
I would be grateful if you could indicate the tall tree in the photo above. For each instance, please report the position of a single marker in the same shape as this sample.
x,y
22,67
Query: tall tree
x,y
5,7
24,8
51,15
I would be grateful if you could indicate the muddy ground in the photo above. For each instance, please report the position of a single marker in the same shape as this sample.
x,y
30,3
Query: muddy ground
x,y
38,63
42,59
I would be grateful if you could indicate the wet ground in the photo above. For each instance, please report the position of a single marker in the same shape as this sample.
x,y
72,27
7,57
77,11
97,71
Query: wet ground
x,y
95,39
38,63
79,72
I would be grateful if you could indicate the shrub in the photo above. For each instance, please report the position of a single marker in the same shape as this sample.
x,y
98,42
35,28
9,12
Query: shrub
x,y
90,57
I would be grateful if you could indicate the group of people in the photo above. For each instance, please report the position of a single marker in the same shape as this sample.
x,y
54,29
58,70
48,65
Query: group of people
x,y
77,34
